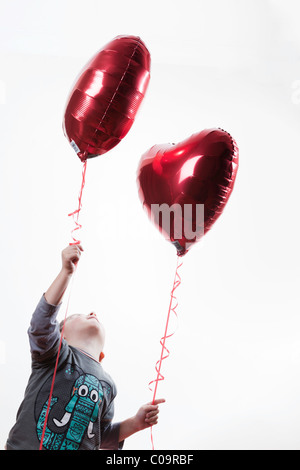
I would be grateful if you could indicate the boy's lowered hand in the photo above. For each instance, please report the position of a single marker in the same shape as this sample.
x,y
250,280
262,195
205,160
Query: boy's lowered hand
x,y
146,416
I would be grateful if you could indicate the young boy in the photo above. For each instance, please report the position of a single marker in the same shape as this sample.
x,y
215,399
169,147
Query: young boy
x,y
82,403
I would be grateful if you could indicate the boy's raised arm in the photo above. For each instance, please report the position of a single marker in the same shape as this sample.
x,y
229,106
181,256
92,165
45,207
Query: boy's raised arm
x,y
43,331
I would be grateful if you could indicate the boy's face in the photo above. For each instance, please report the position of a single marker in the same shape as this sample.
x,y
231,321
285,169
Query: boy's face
x,y
81,327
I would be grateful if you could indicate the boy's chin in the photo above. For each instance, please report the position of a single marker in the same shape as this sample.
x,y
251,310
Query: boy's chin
x,y
94,329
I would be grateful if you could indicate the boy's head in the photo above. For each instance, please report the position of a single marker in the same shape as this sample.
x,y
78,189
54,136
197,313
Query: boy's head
x,y
82,331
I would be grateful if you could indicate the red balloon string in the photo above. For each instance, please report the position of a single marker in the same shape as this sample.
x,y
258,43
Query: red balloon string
x,y
164,351
75,242
77,211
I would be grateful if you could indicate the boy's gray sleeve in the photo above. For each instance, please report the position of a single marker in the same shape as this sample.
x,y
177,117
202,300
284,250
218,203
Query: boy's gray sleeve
x,y
110,431
44,331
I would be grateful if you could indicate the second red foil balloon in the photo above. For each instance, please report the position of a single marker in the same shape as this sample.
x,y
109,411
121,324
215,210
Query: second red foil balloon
x,y
198,172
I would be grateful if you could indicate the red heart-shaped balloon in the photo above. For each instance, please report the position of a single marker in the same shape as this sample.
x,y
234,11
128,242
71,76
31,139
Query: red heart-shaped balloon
x,y
104,101
184,187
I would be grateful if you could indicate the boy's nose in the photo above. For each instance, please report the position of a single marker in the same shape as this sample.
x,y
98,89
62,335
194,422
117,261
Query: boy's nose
x,y
93,314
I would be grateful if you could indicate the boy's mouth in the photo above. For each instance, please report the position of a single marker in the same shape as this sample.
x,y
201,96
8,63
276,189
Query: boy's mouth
x,y
93,317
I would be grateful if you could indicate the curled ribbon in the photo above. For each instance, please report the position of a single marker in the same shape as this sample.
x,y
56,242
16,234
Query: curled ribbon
x,y
77,211
165,353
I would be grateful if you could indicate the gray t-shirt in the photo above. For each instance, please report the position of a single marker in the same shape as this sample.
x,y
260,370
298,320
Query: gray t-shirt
x,y
82,403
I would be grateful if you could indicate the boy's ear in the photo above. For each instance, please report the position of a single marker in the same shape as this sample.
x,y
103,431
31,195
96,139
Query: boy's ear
x,y
102,356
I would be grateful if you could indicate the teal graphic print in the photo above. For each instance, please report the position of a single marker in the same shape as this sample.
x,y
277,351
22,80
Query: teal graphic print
x,y
67,427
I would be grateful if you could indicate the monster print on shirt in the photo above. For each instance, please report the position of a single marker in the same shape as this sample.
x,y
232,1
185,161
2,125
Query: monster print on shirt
x,y
74,408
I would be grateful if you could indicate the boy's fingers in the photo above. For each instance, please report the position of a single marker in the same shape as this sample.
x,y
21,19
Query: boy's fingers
x,y
152,413
151,408
75,246
76,251
152,421
157,401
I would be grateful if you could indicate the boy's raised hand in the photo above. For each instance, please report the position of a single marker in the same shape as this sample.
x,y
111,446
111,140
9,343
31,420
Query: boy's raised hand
x,y
70,257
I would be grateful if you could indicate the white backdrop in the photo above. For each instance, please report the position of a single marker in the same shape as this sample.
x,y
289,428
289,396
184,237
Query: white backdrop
x,y
232,380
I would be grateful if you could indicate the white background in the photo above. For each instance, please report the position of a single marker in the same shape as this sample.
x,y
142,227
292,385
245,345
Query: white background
x,y
232,380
